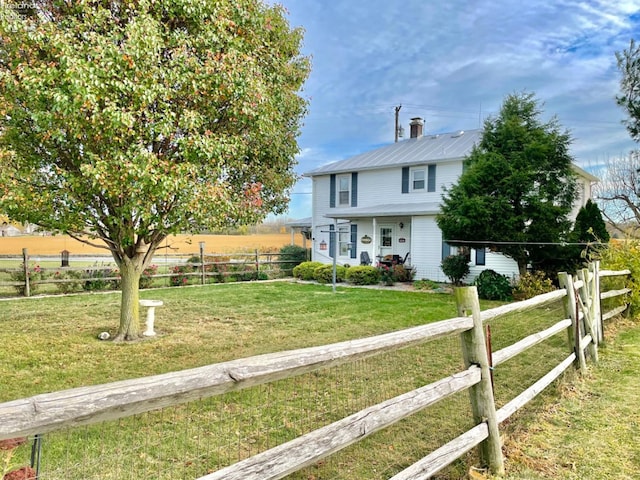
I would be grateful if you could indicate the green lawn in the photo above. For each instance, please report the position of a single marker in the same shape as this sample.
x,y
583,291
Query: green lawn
x,y
590,431
50,344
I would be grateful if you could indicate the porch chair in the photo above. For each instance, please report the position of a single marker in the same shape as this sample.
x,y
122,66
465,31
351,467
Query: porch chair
x,y
364,258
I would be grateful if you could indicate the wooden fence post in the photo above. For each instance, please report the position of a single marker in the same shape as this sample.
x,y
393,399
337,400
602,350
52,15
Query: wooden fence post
x,y
586,300
574,332
483,404
203,279
25,264
257,262
594,267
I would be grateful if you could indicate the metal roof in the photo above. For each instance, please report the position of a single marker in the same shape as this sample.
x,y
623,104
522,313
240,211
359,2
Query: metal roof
x,y
413,151
387,210
299,223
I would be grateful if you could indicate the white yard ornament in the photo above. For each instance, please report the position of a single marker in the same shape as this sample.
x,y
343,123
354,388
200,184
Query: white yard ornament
x,y
151,304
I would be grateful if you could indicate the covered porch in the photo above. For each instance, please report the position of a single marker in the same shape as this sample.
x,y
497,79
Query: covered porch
x,y
384,233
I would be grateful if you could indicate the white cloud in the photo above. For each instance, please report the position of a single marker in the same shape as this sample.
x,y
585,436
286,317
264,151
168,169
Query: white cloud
x,y
453,63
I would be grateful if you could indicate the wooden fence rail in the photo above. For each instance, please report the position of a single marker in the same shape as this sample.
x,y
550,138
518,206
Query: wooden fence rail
x,y
583,320
219,266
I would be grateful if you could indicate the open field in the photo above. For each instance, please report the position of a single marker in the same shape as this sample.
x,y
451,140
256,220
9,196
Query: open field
x,y
54,244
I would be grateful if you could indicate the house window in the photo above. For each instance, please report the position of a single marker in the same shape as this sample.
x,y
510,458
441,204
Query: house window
x,y
344,239
417,181
424,178
386,237
344,190
481,256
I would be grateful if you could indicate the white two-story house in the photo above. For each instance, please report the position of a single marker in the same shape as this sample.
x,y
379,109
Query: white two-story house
x,y
385,202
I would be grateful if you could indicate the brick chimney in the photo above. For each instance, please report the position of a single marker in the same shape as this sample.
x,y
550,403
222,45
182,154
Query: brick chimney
x,y
416,127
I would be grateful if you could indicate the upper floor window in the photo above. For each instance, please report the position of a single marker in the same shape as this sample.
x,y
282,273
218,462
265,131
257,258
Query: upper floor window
x,y
344,190
417,181
424,178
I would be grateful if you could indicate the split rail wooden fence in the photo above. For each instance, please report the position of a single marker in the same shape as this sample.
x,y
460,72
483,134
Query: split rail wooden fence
x,y
198,268
583,324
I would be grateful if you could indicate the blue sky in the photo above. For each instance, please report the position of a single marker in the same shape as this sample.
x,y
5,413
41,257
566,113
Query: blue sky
x,y
452,63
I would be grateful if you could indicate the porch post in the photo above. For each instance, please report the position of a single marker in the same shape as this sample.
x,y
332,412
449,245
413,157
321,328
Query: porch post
x,y
374,243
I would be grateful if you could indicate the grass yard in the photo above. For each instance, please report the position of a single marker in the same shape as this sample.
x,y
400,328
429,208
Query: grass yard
x,y
589,432
50,344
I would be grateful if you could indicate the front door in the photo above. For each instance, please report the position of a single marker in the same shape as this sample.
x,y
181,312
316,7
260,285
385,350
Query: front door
x,y
386,240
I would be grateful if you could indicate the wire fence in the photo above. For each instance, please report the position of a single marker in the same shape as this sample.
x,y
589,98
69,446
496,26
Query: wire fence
x,y
194,439
25,275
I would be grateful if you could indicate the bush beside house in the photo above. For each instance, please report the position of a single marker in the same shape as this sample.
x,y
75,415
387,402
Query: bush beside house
x,y
358,275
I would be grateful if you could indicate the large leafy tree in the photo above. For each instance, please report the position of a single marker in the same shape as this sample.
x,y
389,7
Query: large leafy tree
x,y
129,120
518,188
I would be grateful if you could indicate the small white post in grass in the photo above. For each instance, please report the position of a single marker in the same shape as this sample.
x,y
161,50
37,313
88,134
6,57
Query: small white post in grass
x,y
151,304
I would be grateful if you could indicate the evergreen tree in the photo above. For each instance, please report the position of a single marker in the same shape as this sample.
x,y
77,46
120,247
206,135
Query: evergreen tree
x,y
589,226
518,188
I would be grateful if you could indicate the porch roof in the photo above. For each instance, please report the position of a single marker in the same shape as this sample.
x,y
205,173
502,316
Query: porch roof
x,y
387,210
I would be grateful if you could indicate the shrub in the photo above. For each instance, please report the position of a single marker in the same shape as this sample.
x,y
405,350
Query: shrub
x,y
98,279
386,274
424,284
35,274
362,275
493,286
178,276
402,274
306,270
623,255
217,264
324,273
531,284
262,276
292,255
146,279
68,286
455,267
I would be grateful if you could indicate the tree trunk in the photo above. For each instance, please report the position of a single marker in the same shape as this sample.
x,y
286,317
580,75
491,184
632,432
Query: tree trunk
x,y
522,266
130,273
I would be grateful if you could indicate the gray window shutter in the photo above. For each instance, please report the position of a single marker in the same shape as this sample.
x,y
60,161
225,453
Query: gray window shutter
x,y
431,178
354,190
332,191
446,250
354,241
405,179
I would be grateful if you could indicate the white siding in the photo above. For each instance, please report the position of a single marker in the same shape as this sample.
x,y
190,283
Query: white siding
x,y
583,193
426,248
424,239
494,261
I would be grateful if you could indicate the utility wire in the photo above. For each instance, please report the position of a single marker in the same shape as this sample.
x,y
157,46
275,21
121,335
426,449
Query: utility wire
x,y
491,242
